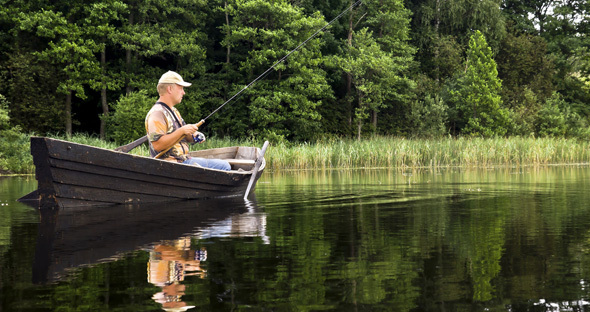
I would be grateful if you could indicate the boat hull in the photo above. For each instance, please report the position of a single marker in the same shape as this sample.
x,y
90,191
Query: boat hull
x,y
71,174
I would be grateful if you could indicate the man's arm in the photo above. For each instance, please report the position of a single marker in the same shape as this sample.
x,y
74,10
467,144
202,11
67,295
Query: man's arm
x,y
170,139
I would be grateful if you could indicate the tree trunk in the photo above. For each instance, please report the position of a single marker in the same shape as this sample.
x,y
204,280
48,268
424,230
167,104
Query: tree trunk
x,y
437,46
128,88
349,75
68,112
374,119
228,34
360,120
103,94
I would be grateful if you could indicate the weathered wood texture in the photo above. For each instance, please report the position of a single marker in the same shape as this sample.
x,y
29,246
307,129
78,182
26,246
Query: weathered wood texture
x,y
70,174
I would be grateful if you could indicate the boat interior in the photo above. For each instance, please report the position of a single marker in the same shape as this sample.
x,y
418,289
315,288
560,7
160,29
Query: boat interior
x,y
239,157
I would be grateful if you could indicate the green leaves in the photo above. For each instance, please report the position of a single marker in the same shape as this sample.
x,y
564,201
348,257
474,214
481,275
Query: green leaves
x,y
477,95
284,104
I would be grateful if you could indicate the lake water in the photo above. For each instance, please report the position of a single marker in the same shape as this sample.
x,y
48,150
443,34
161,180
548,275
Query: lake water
x,y
362,240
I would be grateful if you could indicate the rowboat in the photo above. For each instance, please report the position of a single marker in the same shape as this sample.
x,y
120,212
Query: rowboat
x,y
72,175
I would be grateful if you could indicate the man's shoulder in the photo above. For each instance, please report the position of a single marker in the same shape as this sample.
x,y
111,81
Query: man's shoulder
x,y
156,110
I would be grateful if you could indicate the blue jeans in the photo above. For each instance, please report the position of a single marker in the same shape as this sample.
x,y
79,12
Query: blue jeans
x,y
208,163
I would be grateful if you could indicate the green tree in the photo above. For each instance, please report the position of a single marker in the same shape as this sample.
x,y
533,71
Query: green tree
x,y
441,28
563,24
68,47
100,24
389,21
28,84
526,72
477,95
375,75
284,104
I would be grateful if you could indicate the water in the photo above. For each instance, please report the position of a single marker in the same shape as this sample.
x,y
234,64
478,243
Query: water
x,y
363,240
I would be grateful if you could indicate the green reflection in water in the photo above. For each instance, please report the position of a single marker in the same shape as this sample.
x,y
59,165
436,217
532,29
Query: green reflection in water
x,y
376,240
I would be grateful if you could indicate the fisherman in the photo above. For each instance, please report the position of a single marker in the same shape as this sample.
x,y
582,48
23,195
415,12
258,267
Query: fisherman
x,y
167,131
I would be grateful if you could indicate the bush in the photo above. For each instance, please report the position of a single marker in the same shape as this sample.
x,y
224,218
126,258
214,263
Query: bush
x,y
127,122
4,118
15,152
551,121
428,118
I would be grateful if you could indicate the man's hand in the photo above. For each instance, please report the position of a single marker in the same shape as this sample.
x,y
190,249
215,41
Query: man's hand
x,y
188,129
170,139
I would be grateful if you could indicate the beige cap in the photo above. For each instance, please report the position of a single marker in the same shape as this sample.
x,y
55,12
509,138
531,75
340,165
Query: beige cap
x,y
173,77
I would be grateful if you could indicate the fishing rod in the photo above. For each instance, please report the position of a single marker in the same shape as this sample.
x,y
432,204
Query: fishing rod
x,y
280,61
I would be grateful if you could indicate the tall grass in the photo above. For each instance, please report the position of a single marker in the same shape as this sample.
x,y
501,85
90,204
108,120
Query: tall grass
x,y
390,152
376,152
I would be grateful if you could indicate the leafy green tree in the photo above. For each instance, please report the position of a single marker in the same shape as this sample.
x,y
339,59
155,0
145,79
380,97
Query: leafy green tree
x,y
441,28
28,83
526,72
68,47
564,26
428,117
157,36
556,118
100,24
375,75
389,21
477,94
284,104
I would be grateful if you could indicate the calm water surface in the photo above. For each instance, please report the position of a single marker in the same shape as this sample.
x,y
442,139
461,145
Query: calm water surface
x,y
363,240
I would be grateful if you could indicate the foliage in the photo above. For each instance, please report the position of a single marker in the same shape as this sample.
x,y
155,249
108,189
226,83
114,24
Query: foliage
x,y
14,145
15,155
284,105
127,123
526,71
428,118
441,30
65,65
4,118
376,75
556,119
477,97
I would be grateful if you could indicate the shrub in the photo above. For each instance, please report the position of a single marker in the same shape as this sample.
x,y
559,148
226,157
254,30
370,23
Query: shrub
x,y
127,122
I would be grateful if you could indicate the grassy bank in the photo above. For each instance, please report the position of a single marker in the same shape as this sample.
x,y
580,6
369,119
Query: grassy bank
x,y
377,152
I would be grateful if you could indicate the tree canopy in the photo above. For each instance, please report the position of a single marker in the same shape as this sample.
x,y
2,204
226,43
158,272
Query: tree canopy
x,y
388,67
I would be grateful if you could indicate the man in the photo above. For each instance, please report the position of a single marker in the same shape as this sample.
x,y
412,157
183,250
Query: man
x,y
167,132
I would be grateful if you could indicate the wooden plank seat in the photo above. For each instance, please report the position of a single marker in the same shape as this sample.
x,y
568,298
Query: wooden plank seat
x,y
244,164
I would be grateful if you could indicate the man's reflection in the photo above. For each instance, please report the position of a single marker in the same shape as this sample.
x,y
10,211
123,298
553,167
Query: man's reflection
x,y
169,263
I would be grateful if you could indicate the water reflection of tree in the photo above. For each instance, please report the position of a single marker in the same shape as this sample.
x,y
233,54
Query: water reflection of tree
x,y
467,250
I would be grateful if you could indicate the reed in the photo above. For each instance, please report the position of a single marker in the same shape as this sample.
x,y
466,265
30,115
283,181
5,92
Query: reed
x,y
381,152
375,152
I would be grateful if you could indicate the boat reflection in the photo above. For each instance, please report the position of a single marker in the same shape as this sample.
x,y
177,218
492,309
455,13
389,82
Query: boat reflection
x,y
172,260
70,239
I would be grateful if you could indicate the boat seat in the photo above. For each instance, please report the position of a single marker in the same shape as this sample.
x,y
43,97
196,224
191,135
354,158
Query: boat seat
x,y
244,164
241,161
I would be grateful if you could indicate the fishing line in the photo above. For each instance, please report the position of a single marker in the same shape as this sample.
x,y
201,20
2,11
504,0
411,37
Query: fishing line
x,y
284,58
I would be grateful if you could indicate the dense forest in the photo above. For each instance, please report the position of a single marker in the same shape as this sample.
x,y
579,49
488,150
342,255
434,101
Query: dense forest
x,y
421,68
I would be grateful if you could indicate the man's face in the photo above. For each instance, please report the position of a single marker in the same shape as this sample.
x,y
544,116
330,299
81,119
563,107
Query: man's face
x,y
177,92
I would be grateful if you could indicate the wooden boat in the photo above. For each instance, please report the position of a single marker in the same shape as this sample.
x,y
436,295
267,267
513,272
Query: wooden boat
x,y
71,175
